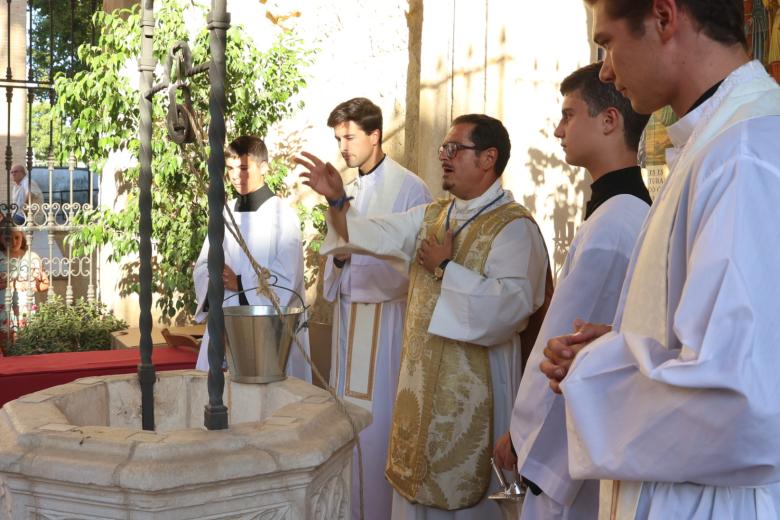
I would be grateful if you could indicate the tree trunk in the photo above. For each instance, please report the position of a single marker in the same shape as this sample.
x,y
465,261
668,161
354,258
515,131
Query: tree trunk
x,y
110,5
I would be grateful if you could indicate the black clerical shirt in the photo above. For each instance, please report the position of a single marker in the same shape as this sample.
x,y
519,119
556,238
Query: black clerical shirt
x,y
704,97
247,203
252,201
625,181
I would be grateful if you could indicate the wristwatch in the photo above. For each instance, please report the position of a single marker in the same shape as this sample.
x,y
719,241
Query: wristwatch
x,y
438,272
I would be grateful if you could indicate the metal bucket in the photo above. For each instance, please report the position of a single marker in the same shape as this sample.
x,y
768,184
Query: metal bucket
x,y
258,341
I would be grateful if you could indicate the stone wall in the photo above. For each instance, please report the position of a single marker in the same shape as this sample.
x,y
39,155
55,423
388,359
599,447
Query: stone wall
x,y
507,61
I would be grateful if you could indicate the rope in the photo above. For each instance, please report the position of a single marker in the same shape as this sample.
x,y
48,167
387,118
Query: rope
x,y
264,289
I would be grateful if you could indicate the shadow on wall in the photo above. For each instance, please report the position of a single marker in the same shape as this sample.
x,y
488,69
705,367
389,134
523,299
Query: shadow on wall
x,y
433,124
565,206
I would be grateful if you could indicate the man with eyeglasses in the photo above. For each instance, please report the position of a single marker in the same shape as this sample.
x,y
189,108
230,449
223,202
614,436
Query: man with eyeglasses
x,y
370,296
478,272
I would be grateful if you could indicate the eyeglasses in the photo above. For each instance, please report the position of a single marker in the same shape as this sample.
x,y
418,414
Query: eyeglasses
x,y
450,150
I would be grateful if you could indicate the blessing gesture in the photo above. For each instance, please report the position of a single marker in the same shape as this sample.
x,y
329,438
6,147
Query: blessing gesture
x,y
322,177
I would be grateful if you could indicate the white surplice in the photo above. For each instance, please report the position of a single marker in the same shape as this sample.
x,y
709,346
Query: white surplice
x,y
378,292
680,402
273,235
484,310
589,288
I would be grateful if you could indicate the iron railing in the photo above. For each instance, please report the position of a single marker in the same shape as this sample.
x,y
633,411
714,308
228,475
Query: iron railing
x,y
44,220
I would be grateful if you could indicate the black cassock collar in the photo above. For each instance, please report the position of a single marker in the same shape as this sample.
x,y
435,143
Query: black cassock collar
x,y
252,201
626,181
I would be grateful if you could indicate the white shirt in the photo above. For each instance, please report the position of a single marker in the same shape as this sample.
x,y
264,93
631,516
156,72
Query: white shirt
x,y
588,288
273,235
697,418
390,188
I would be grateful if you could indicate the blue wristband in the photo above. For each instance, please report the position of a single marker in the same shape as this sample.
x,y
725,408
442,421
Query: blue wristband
x,y
339,203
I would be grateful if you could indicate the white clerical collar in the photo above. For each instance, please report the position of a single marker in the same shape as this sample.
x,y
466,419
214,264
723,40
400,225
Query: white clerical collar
x,y
490,194
681,131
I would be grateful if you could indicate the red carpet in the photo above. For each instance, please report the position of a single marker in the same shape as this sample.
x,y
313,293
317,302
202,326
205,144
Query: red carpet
x,y
20,375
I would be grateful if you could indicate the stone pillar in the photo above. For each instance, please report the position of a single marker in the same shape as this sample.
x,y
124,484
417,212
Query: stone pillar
x,y
18,71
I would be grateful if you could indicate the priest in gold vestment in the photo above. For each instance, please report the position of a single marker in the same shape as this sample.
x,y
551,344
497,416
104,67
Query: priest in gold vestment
x,y
477,273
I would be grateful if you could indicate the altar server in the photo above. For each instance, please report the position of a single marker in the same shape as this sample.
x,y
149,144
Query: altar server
x,y
370,296
676,408
272,233
599,132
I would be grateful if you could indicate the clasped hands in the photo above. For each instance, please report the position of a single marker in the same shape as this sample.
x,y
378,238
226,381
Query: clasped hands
x,y
561,350
559,355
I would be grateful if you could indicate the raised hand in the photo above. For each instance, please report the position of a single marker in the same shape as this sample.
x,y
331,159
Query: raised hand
x,y
322,177
561,351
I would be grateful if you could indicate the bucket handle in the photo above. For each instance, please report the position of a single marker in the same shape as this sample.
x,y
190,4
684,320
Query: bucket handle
x,y
273,279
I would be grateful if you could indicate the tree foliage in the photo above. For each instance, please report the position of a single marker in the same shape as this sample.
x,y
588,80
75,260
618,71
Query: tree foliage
x,y
101,105
58,29
44,120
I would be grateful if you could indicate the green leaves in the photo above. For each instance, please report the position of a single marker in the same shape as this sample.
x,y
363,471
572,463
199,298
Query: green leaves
x,y
101,106
57,327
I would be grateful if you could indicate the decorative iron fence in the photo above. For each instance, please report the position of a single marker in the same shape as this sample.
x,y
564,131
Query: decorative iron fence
x,y
39,208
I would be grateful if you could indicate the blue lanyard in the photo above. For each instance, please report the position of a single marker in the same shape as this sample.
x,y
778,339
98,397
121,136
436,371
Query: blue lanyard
x,y
478,213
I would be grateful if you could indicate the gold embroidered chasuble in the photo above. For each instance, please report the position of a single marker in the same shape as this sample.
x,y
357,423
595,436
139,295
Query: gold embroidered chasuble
x,y
442,428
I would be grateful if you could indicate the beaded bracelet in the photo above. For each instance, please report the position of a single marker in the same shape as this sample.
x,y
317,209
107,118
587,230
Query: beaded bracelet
x,y
339,203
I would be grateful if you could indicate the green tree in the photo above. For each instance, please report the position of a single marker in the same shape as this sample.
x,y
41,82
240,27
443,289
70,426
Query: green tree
x,y
43,119
101,106
58,29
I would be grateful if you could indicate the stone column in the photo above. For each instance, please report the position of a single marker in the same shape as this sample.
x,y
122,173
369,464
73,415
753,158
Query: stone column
x,y
18,71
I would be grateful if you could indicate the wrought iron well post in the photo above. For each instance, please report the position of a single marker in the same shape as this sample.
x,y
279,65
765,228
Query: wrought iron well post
x,y
146,372
215,413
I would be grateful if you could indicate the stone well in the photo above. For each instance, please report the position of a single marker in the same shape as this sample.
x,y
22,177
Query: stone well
x,y
77,451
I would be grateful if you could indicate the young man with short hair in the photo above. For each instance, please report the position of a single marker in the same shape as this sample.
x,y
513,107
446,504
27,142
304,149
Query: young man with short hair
x,y
272,233
599,132
675,407
370,296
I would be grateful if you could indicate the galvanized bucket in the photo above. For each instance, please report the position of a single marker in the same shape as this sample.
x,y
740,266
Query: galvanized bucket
x,y
258,341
